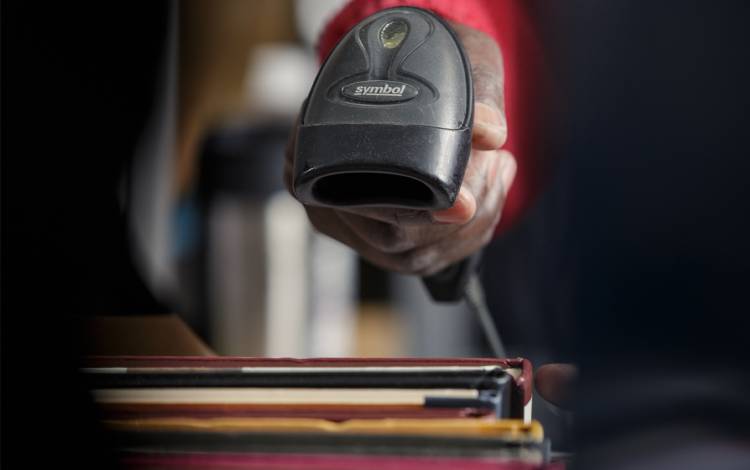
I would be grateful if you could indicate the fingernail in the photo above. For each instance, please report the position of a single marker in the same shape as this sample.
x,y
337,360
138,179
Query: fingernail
x,y
488,119
488,115
492,173
494,133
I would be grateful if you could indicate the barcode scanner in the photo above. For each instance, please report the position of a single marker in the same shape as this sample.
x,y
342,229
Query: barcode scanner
x,y
388,122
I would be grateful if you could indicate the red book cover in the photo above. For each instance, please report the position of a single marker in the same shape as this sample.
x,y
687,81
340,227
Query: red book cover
x,y
265,461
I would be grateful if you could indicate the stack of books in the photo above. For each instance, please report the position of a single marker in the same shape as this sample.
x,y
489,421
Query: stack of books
x,y
288,414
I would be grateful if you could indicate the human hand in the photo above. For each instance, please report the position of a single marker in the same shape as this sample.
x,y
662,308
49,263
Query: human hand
x,y
424,242
555,382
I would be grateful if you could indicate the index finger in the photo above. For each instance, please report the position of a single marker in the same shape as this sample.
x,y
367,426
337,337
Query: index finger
x,y
490,130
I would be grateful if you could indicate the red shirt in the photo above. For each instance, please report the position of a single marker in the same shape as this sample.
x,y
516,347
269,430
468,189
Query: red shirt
x,y
510,23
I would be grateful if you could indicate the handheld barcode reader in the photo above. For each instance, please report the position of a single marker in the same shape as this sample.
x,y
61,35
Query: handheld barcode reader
x,y
388,124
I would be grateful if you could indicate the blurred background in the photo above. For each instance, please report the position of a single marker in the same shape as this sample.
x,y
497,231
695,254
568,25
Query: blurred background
x,y
640,230
222,242
148,145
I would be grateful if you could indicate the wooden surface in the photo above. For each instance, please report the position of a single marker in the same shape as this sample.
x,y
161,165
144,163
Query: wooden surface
x,y
144,335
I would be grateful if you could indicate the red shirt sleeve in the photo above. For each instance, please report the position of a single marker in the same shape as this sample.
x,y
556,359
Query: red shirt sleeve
x,y
510,23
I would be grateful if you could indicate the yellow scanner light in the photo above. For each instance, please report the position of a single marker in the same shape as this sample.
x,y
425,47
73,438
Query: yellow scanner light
x,y
393,34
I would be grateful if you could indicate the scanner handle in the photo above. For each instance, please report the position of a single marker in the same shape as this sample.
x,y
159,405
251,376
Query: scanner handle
x,y
449,285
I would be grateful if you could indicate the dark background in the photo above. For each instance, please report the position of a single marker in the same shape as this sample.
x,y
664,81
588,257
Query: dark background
x,y
77,86
650,223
